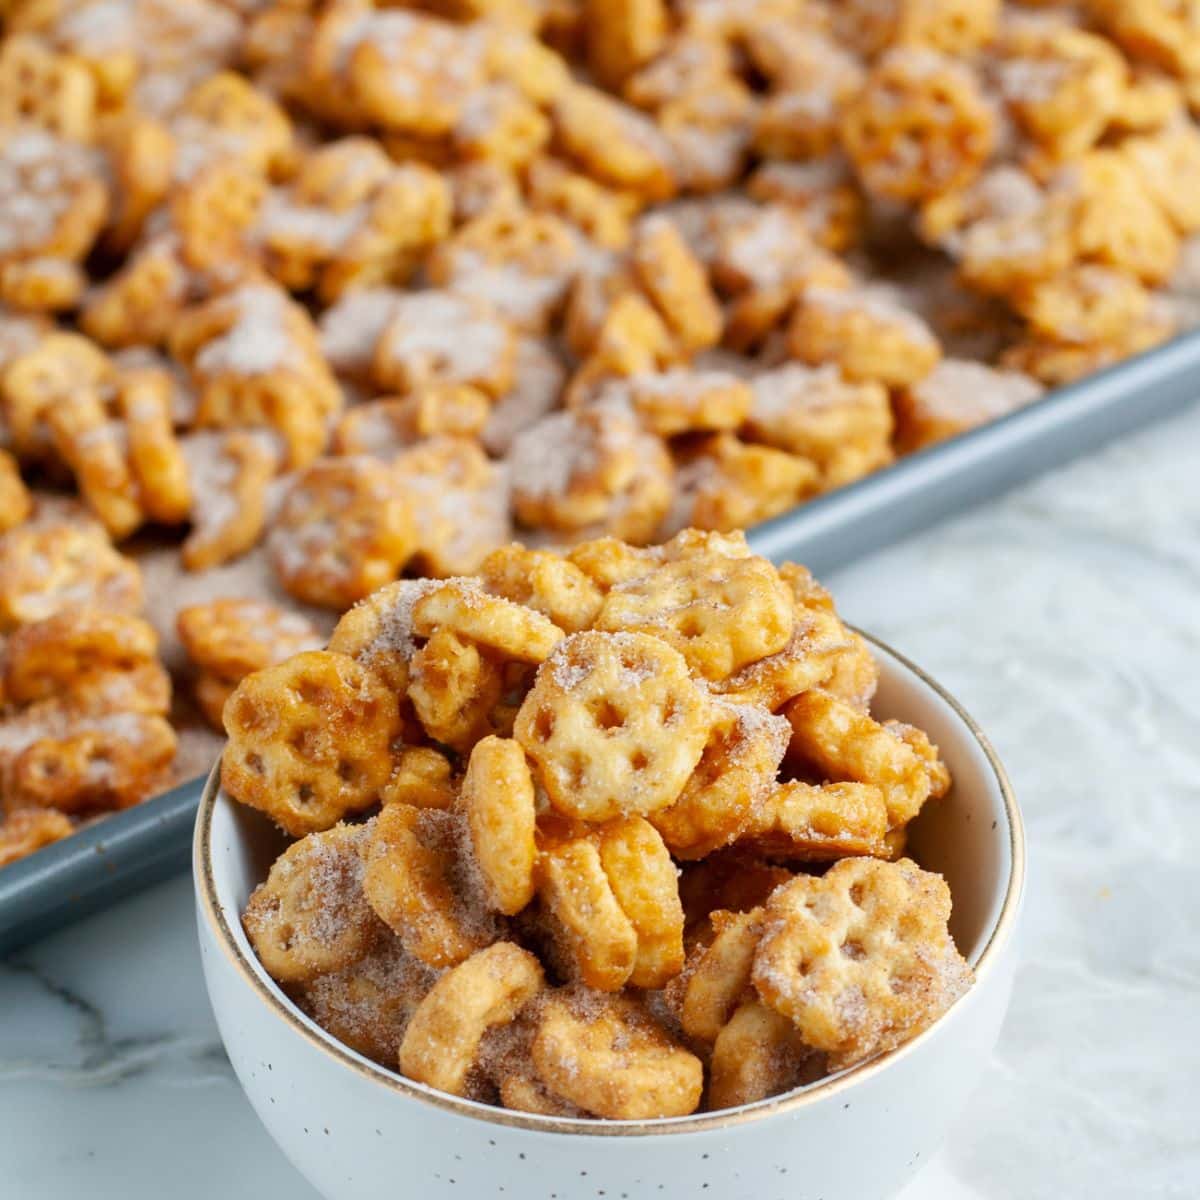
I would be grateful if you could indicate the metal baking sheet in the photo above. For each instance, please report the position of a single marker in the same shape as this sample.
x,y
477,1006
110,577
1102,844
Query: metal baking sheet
x,y
133,849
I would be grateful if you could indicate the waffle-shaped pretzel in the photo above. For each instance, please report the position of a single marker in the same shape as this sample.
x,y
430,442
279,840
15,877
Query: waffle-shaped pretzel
x,y
228,475
734,775
423,777
677,283
729,881
243,120
1168,163
1116,218
378,631
719,610
56,366
82,655
757,1054
542,581
38,87
458,500
571,470
310,915
684,401
1062,85
497,123
498,800
860,958
156,461
725,483
613,142
89,444
342,531
612,1059
368,1005
808,823
615,725
823,193
412,856
957,27
592,932
919,126
816,412
234,638
438,337
518,263
138,304
15,502
644,882
309,740
503,627
921,743
601,212
489,989
44,568
454,690
1158,31
24,830
865,333
254,357
848,745
717,978
386,427
213,211
92,763
1085,303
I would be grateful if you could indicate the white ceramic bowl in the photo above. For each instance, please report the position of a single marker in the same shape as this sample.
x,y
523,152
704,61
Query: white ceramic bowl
x,y
358,1131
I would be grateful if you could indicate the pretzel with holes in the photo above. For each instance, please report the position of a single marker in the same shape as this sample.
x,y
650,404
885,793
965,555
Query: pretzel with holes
x,y
25,830
615,725
442,1042
311,916
859,959
411,857
342,531
612,1060
309,740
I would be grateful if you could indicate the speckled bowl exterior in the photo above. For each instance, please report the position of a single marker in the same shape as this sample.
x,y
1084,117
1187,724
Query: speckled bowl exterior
x,y
359,1132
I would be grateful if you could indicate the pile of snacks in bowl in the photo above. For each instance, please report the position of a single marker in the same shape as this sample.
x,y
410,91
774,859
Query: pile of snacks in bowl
x,y
611,833
297,298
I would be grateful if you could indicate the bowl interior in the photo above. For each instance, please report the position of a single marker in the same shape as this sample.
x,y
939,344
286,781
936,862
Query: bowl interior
x,y
972,837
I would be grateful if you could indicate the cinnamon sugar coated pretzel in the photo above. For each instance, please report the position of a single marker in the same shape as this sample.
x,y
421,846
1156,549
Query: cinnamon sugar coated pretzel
x,y
641,868
364,290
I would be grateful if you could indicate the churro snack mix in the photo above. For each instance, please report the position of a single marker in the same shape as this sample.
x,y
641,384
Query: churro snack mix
x,y
610,833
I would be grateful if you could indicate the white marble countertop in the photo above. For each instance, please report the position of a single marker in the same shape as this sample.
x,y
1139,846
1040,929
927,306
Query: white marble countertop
x,y
1067,620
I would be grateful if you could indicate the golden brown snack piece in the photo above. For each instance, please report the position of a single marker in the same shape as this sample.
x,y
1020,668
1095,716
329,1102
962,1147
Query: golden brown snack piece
x,y
543,581
156,460
211,694
232,638
610,1058
860,958
590,928
15,501
368,1004
228,475
736,771
717,978
342,531
94,659
758,1053
849,745
24,830
441,1044
721,608
804,822
47,567
498,800
88,762
311,916
614,724
423,777
454,690
644,882
413,880
309,740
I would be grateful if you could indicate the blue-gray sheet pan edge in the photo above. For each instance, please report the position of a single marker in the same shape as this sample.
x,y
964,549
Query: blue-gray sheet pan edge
x,y
143,845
